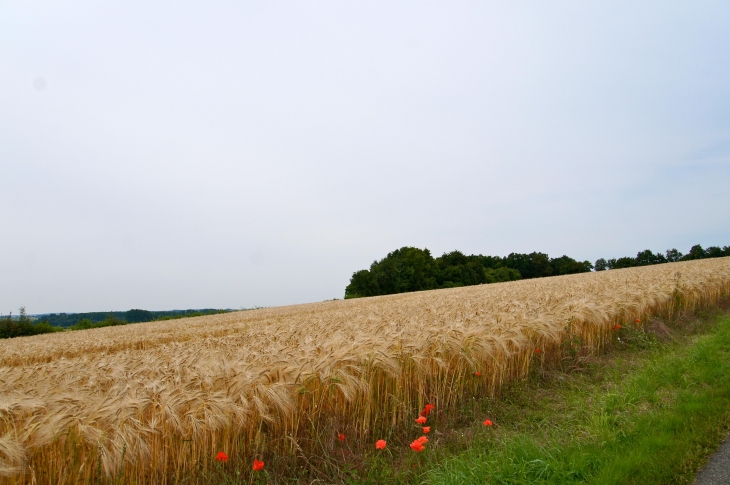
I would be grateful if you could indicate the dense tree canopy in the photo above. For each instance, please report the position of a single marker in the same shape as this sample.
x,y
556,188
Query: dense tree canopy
x,y
413,269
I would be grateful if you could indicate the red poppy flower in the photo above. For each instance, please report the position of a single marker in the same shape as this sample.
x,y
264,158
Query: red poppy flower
x,y
478,374
258,465
617,326
341,437
423,440
380,445
638,320
487,422
537,351
417,446
426,429
421,420
221,456
427,410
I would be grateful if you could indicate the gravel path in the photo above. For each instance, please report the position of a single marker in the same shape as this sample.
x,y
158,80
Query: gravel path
x,y
717,470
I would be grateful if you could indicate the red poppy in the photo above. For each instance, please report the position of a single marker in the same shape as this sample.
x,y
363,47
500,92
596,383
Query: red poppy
x,y
537,351
617,326
417,446
341,437
426,429
258,465
221,456
478,374
380,445
487,422
638,320
427,410
423,440
421,420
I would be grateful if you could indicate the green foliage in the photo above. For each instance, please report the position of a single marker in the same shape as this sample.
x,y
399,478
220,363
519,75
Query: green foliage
x,y
405,269
697,252
413,269
647,257
192,313
23,326
533,265
111,321
565,265
625,262
137,316
673,255
131,316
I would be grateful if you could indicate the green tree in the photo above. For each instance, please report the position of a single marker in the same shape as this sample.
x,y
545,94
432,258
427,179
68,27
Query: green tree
x,y
24,326
625,262
696,252
403,270
647,258
673,255
567,265
138,316
533,265
500,275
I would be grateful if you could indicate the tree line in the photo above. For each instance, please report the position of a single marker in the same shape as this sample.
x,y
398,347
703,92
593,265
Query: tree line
x,y
647,257
412,269
24,325
130,316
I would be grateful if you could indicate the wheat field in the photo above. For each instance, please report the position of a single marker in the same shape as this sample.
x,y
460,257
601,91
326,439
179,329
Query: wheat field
x,y
153,402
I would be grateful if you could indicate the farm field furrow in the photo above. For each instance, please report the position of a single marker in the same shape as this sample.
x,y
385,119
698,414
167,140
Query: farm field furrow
x,y
156,400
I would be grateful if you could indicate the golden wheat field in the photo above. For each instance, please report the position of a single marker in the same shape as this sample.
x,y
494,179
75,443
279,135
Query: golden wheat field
x,y
153,402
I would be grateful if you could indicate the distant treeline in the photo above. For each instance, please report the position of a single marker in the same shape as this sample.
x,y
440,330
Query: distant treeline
x,y
413,269
130,316
647,257
23,325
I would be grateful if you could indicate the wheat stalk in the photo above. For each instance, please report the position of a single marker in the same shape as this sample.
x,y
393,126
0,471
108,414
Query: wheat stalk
x,y
157,400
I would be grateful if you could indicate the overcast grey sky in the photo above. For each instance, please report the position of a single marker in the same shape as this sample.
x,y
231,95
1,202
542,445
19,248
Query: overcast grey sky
x,y
220,154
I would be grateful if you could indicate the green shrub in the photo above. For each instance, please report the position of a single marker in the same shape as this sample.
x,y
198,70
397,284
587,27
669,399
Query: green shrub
x,y
23,326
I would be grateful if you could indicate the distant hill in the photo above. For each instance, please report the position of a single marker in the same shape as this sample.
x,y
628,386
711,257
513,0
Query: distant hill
x,y
130,316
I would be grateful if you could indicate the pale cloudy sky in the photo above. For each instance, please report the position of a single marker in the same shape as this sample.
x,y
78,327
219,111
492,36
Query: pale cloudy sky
x,y
164,155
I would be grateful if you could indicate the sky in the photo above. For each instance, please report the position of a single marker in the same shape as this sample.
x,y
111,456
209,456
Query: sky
x,y
171,155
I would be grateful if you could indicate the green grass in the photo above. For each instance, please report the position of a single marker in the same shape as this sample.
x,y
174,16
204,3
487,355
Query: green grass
x,y
633,417
649,411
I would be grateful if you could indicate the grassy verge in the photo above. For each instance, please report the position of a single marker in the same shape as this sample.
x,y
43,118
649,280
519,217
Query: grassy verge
x,y
647,413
